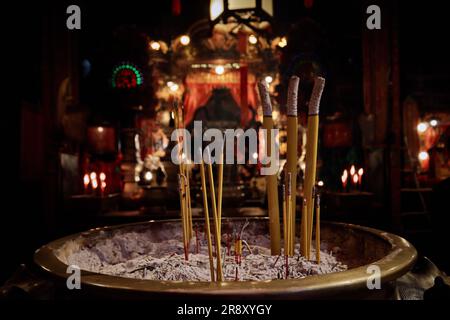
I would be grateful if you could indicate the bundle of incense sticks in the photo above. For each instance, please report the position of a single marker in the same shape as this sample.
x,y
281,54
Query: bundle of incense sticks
x,y
310,170
272,188
217,222
216,273
291,164
184,183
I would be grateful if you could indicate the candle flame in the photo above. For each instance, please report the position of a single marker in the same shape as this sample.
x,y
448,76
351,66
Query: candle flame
x,y
343,178
355,178
102,176
103,185
86,179
94,184
352,170
361,172
93,176
345,174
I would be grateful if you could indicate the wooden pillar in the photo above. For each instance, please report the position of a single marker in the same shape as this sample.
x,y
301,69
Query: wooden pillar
x,y
381,100
59,56
396,133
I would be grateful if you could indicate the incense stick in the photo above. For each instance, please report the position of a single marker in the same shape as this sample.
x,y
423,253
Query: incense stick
x,y
272,188
289,215
183,214
304,228
318,228
311,151
292,144
207,225
285,220
220,192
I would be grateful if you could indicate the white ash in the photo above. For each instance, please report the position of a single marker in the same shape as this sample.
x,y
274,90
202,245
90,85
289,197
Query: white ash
x,y
129,255
292,96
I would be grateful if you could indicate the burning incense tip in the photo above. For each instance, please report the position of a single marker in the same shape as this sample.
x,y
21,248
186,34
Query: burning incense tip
x,y
265,98
316,95
292,96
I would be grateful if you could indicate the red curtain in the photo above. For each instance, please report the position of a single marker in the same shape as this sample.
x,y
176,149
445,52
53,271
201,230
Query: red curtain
x,y
199,87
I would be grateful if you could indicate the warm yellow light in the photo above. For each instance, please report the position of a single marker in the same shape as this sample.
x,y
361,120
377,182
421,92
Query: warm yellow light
x,y
252,39
219,70
185,40
148,176
423,155
360,172
100,129
345,174
352,170
255,155
320,183
86,179
94,184
93,176
283,42
174,87
422,127
170,83
102,176
215,9
433,123
155,45
268,79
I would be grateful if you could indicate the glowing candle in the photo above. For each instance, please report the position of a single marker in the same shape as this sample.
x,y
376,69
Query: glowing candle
x,y
344,179
352,170
103,187
94,182
360,173
355,179
102,176
86,182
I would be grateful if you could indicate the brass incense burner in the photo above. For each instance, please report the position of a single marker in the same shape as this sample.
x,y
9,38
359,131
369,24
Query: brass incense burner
x,y
361,247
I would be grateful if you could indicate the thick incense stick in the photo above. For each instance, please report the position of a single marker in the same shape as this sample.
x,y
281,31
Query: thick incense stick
x,y
291,164
272,187
318,228
216,220
311,158
207,225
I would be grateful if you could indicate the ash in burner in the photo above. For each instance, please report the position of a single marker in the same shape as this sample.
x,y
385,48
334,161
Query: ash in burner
x,y
141,255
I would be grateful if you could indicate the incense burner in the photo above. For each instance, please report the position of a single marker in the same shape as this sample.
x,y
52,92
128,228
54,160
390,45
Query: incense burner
x,y
375,259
